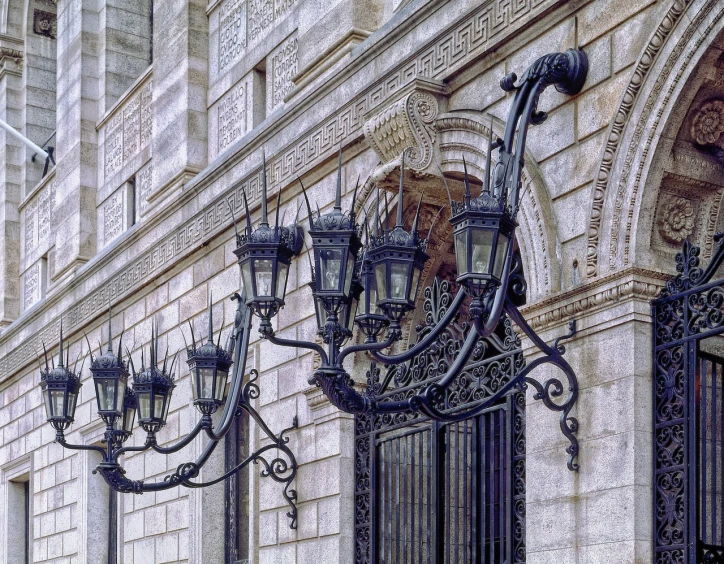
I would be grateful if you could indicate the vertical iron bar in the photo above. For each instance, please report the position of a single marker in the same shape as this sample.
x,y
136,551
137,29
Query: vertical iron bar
x,y
486,488
405,511
714,437
692,453
721,446
397,499
420,506
374,499
704,444
390,518
438,491
466,498
456,518
430,501
508,443
112,526
475,478
501,483
413,491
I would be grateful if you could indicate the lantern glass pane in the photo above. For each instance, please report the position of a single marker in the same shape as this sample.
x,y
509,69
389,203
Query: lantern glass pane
x,y
105,391
413,286
331,268
461,252
194,383
482,247
121,395
158,405
48,411
501,253
144,405
263,273
206,383
398,280
57,399
246,278
321,313
282,280
353,314
167,404
381,282
72,399
349,274
128,419
221,376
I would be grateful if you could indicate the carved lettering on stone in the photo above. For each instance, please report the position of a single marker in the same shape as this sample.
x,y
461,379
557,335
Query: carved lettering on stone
x,y
232,32
113,212
234,113
46,202
144,186
34,284
31,219
114,145
282,65
129,131
37,218
260,18
281,7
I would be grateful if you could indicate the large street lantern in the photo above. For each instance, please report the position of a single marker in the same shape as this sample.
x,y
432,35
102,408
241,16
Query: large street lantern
x,y
60,387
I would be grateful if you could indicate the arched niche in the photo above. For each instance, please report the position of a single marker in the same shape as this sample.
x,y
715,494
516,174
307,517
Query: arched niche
x,y
651,169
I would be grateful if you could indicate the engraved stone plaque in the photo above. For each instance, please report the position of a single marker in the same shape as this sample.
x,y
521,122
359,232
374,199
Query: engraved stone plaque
x,y
234,113
281,65
116,213
232,32
144,185
34,283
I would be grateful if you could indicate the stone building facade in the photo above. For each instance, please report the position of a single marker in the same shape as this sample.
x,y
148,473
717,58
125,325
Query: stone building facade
x,y
159,111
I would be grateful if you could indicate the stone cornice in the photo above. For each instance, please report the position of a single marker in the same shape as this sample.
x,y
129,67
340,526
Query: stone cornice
x,y
631,283
455,44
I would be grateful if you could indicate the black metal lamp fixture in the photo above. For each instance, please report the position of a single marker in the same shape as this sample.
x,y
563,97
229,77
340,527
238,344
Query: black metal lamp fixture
x,y
60,387
381,277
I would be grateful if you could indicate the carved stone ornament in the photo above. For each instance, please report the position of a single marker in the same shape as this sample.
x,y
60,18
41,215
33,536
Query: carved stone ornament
x,y
406,124
677,221
708,123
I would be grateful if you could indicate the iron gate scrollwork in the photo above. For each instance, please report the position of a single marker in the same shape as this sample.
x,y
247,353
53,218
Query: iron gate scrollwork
x,y
688,406
444,492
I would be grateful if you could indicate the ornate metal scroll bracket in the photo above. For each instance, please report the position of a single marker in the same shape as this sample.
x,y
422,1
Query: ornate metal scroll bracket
x,y
553,387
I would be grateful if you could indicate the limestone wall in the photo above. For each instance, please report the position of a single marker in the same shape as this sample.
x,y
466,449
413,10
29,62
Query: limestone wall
x,y
152,158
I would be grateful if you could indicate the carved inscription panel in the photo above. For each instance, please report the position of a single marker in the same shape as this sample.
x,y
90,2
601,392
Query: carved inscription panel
x,y
34,282
116,213
144,186
235,113
281,66
232,32
128,131
240,25
37,221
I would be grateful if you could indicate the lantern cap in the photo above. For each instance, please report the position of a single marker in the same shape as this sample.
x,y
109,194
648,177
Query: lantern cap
x,y
153,374
59,374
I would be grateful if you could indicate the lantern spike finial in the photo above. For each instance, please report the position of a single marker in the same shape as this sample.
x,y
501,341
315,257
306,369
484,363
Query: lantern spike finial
x,y
264,219
417,215
311,267
211,318
402,183
110,332
165,358
387,215
338,192
130,360
279,203
352,212
45,352
467,182
90,349
248,217
193,340
60,356
306,199
143,362
375,225
120,340
233,219
447,187
434,220
488,159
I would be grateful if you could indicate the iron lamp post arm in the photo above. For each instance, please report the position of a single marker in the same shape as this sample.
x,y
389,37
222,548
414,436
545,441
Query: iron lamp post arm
x,y
269,336
428,339
368,347
60,439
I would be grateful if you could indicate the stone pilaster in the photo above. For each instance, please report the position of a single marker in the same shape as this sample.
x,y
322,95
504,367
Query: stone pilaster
x,y
77,105
180,69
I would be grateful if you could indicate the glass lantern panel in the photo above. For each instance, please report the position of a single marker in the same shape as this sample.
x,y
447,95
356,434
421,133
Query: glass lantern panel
x,y
158,406
349,274
353,314
321,313
282,280
128,420
48,411
413,286
363,303
461,252
194,383
501,253
167,404
144,405
57,399
263,273
381,282
120,396
106,392
331,268
482,247
221,377
206,383
72,399
246,278
398,280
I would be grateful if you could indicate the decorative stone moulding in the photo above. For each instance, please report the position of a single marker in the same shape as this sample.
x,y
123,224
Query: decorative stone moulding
x,y
677,220
708,123
407,124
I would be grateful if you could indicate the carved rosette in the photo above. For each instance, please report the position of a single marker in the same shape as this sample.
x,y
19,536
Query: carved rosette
x,y
677,221
407,124
708,123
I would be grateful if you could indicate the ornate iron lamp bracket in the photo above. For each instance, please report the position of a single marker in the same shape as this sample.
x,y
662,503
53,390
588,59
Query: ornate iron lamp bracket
x,y
275,456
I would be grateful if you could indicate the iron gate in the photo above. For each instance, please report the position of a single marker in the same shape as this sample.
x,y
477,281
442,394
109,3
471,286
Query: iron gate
x,y
433,493
689,413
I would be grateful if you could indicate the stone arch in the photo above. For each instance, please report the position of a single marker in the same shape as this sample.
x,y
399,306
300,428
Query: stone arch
x,y
618,214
